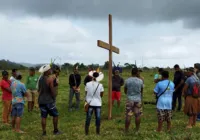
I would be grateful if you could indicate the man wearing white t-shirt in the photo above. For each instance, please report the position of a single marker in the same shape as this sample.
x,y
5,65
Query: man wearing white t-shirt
x,y
94,92
14,73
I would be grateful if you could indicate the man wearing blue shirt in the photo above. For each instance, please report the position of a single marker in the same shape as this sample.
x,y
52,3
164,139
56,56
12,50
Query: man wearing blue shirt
x,y
164,89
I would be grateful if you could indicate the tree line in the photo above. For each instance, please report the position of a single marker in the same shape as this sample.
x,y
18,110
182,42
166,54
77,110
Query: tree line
x,y
8,65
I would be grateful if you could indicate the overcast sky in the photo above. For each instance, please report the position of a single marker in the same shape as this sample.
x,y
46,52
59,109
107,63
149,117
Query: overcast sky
x,y
162,32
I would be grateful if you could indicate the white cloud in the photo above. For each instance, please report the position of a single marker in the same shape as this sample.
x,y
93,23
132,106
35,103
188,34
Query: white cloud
x,y
37,40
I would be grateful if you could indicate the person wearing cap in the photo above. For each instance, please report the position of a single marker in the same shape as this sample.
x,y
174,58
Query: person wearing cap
x,y
158,77
14,72
133,89
164,92
197,73
18,93
179,83
117,83
47,99
74,82
6,97
31,83
94,92
192,104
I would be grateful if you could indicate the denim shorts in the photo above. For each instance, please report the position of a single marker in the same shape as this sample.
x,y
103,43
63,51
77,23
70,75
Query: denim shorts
x,y
48,109
17,110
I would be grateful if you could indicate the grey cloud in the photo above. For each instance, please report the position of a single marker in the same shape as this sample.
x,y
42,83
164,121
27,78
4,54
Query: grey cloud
x,y
139,11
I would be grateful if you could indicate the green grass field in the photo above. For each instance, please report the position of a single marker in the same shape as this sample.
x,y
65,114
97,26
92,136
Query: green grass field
x,y
72,123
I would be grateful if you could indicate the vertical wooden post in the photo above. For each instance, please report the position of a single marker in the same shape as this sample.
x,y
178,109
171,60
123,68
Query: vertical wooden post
x,y
111,49
110,69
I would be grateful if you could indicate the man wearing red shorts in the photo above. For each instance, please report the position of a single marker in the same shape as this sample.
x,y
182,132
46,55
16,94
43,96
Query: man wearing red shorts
x,y
117,82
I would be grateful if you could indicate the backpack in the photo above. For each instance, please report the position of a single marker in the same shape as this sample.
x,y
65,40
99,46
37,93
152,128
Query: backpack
x,y
196,88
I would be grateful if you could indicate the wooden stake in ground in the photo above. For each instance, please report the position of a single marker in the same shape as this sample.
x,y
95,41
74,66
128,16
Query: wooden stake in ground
x,y
111,49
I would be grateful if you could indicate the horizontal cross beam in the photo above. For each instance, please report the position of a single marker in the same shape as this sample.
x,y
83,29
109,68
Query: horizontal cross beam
x,y
107,46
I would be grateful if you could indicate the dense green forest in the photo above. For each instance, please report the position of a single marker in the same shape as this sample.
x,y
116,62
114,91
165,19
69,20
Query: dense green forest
x,y
8,65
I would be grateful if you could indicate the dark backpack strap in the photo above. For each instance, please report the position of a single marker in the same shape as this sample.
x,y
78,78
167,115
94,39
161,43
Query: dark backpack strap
x,y
162,92
94,94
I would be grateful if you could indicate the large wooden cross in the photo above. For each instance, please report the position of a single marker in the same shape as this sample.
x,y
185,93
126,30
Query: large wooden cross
x,y
111,49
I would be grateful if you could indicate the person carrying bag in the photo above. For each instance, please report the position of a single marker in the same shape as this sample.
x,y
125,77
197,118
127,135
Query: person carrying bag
x,y
94,92
86,106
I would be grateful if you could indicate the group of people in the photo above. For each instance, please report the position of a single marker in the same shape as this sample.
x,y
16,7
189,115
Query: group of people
x,y
41,93
186,84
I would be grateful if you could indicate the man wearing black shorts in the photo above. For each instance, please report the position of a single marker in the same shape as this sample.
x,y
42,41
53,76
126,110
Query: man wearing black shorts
x,y
46,100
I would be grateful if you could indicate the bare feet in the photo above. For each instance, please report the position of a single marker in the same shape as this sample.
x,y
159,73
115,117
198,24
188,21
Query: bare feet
x,y
7,124
159,131
20,131
188,127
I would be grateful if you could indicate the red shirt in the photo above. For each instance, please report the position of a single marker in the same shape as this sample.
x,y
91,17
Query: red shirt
x,y
6,94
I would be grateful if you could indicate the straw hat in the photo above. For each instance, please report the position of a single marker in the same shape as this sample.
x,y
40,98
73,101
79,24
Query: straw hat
x,y
44,68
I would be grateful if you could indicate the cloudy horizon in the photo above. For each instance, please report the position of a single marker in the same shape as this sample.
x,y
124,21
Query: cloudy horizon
x,y
161,33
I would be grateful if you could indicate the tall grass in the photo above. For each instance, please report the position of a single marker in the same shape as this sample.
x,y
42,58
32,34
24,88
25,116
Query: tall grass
x,y
72,123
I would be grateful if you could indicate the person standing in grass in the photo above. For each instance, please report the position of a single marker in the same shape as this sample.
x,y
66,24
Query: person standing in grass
x,y
6,97
47,98
158,76
192,104
31,83
139,75
88,78
55,76
197,73
179,83
117,83
18,93
14,72
94,92
133,88
74,82
164,92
